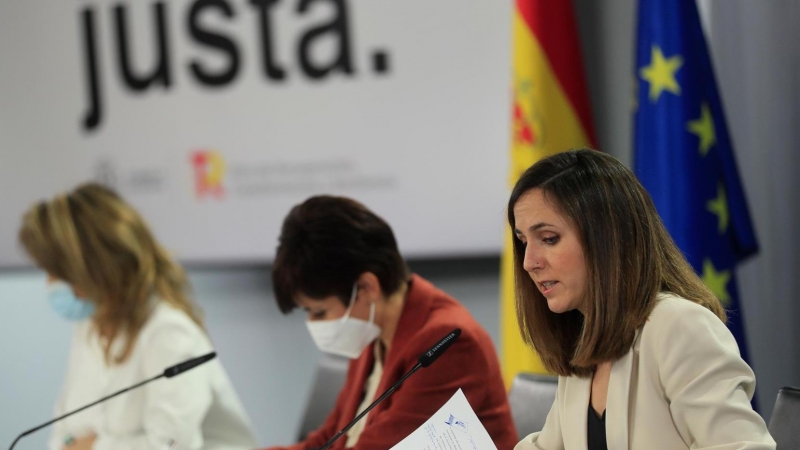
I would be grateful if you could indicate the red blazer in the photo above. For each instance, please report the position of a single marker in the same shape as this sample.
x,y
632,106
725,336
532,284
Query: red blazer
x,y
470,364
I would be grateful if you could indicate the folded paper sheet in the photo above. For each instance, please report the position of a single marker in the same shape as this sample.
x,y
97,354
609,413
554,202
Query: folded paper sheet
x,y
454,427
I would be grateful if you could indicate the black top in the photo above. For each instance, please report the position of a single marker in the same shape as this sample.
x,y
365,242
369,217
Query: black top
x,y
596,430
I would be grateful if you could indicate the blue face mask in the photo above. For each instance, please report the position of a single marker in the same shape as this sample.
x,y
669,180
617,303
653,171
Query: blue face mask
x,y
66,304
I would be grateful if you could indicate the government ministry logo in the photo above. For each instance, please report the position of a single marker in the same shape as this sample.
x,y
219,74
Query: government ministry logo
x,y
209,173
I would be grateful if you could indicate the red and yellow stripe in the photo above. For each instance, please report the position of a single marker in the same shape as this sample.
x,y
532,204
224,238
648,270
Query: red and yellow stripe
x,y
550,114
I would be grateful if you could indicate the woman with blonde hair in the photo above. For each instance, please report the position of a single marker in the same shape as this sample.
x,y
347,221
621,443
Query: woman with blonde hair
x,y
610,304
133,318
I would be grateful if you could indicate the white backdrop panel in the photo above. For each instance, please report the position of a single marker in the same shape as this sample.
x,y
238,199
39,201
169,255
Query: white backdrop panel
x,y
410,116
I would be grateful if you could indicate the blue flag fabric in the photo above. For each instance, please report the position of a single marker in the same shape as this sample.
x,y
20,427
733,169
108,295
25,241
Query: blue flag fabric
x,y
682,152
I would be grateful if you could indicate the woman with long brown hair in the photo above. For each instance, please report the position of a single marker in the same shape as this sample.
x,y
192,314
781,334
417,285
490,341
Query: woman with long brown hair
x,y
610,304
133,318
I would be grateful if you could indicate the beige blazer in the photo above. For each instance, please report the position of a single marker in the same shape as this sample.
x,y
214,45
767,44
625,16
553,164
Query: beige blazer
x,y
682,385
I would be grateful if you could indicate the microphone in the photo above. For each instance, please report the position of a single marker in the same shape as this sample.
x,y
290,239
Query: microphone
x,y
169,372
178,369
425,360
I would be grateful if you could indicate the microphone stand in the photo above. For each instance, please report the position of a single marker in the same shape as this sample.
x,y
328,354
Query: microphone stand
x,y
363,413
169,372
425,360
33,430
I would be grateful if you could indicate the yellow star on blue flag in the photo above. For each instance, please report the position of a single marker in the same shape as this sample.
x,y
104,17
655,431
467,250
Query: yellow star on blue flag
x,y
682,150
703,127
661,74
719,207
717,281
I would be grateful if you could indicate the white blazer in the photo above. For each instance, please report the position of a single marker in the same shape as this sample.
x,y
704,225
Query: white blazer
x,y
195,410
682,385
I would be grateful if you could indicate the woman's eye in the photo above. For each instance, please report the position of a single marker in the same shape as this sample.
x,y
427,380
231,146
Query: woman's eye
x,y
550,240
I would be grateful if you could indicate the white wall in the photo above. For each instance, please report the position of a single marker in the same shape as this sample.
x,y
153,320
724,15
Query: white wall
x,y
756,51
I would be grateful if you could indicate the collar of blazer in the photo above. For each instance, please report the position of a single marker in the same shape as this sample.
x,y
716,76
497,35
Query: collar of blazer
x,y
619,386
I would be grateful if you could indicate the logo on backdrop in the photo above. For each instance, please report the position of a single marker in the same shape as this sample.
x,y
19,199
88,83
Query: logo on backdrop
x,y
141,179
105,173
209,173
217,176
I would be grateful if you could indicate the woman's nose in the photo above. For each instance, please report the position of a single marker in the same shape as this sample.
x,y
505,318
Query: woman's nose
x,y
532,260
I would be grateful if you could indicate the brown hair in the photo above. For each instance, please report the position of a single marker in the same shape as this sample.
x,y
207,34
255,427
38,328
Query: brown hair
x,y
630,258
96,242
326,243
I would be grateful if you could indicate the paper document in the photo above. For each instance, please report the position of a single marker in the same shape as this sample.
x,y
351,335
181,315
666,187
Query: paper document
x,y
454,427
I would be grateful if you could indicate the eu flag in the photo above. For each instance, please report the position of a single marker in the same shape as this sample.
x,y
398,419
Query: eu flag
x,y
682,152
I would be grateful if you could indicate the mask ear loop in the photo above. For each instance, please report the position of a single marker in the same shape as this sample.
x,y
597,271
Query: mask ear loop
x,y
352,302
372,313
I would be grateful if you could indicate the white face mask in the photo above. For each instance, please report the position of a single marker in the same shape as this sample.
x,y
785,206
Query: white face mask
x,y
347,336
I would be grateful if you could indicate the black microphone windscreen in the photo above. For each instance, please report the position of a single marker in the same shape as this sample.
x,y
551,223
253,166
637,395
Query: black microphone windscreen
x,y
178,369
427,358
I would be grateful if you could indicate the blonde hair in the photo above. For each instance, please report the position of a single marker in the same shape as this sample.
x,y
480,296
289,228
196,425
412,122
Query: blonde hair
x,y
92,239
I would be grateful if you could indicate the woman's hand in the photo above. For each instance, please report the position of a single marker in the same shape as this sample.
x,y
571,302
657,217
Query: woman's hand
x,y
82,443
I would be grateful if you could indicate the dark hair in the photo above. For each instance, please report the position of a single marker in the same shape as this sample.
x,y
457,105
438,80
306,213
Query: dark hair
x,y
630,258
326,243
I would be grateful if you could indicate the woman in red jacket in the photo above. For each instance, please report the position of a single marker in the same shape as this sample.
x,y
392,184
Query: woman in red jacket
x,y
339,262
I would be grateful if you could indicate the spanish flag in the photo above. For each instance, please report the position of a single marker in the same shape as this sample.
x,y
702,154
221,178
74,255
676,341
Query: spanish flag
x,y
550,114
